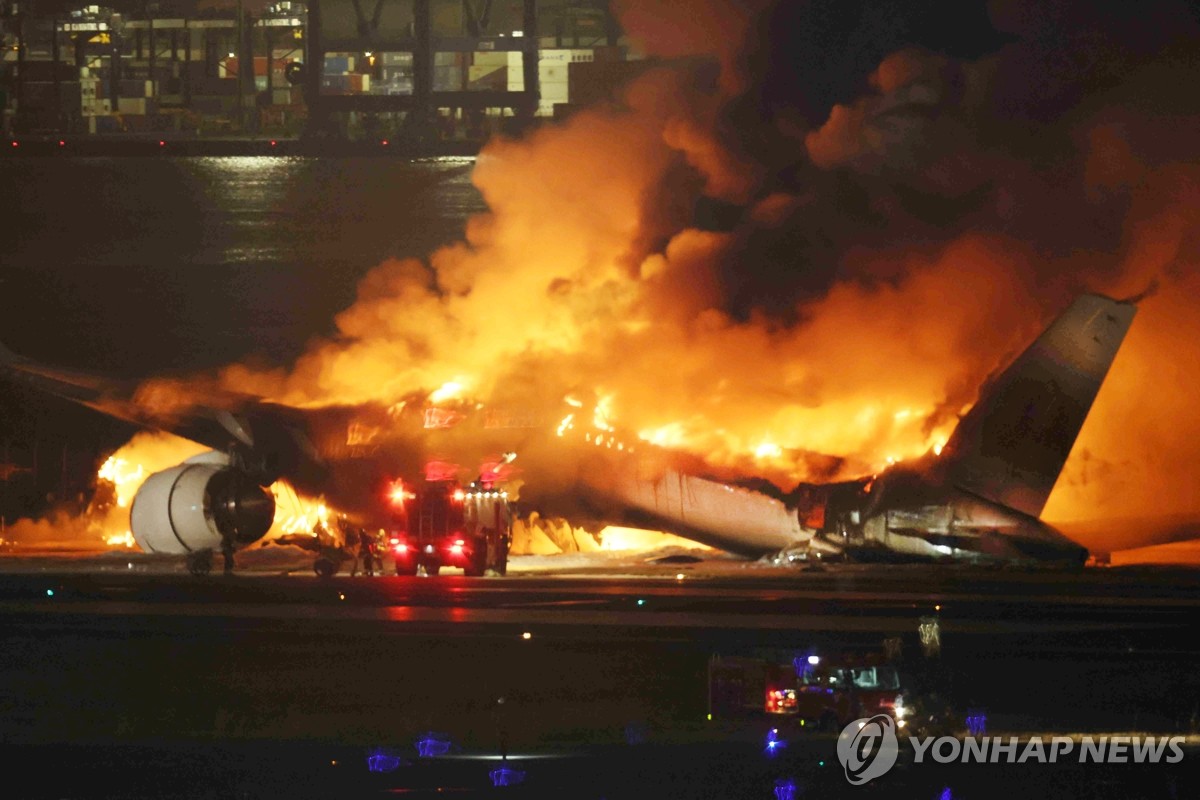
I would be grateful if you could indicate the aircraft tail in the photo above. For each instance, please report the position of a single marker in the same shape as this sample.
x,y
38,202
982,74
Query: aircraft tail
x,y
1011,446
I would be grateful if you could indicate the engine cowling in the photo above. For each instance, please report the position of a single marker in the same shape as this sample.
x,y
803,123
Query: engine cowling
x,y
190,507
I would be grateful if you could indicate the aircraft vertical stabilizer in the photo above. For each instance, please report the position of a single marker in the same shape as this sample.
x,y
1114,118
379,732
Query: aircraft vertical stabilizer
x,y
1011,446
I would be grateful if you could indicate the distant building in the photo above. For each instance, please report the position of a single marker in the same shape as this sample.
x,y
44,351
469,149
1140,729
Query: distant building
x,y
447,69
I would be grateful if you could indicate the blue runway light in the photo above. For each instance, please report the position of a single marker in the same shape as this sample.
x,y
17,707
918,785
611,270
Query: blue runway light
x,y
383,760
504,776
432,745
786,789
946,794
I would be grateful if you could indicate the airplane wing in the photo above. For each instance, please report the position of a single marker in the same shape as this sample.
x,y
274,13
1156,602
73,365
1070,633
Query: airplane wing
x,y
224,421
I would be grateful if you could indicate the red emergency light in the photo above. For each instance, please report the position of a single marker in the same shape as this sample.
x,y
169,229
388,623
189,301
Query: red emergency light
x,y
397,493
437,471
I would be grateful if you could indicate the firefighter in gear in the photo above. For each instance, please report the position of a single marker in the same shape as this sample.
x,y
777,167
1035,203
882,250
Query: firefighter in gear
x,y
366,551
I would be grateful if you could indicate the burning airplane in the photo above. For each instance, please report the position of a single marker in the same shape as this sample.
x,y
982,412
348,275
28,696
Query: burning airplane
x,y
812,338
978,499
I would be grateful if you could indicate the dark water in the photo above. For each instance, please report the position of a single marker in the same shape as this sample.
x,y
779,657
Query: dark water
x,y
151,266
137,266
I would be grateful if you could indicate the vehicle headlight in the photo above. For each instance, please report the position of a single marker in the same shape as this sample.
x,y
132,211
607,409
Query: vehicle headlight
x,y
899,710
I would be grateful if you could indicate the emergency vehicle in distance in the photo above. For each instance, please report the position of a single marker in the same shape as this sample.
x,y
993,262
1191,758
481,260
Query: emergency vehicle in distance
x,y
441,523
807,689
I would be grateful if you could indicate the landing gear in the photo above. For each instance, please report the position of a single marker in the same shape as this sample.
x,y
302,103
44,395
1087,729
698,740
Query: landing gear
x,y
325,568
200,563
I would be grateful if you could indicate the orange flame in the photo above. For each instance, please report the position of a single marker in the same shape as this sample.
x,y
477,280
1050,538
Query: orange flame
x,y
150,452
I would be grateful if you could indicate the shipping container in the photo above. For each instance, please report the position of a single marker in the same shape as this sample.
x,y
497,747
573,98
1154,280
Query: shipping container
x,y
487,77
353,83
231,67
554,93
552,73
396,86
447,79
131,106
558,56
105,124
338,64
335,84
136,88
495,59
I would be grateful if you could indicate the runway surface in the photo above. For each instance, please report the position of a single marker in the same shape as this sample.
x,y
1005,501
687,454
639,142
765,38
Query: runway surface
x,y
615,589
127,659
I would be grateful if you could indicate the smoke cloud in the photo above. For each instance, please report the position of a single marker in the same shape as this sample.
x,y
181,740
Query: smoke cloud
x,y
898,234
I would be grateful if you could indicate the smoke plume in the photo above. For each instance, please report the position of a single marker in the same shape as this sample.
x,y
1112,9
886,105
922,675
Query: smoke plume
x,y
898,228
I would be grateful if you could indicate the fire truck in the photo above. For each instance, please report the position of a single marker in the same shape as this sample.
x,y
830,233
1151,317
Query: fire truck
x,y
441,523
825,693
832,692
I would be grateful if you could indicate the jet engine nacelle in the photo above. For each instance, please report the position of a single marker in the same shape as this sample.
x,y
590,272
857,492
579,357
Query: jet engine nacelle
x,y
190,507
